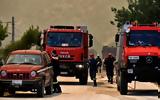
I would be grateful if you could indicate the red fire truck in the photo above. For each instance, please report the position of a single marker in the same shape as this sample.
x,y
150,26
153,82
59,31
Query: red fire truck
x,y
138,55
71,44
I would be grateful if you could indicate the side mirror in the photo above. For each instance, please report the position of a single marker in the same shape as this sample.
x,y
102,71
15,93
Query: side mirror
x,y
117,38
90,40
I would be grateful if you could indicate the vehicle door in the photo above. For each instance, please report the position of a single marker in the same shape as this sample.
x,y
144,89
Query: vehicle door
x,y
48,69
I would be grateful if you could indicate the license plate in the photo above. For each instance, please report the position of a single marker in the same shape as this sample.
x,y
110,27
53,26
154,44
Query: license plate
x,y
63,67
64,73
16,82
130,71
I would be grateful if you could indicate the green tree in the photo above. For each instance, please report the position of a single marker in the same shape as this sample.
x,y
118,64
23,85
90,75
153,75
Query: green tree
x,y
3,32
30,37
143,11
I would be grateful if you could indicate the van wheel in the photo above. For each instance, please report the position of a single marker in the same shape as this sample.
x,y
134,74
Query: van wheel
x,y
40,89
1,92
12,92
123,82
49,89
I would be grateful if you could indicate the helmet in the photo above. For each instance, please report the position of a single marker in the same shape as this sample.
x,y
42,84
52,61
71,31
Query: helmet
x,y
91,55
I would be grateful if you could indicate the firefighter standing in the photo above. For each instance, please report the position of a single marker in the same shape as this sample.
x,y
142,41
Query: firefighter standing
x,y
108,62
56,70
93,69
99,63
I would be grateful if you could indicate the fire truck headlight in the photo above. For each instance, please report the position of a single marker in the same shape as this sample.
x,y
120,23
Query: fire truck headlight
x,y
79,66
3,73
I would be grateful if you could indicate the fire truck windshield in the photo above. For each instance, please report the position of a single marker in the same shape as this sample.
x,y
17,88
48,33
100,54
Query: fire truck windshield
x,y
57,39
143,38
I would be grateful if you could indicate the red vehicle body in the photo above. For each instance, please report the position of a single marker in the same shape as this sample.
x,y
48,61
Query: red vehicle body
x,y
71,45
27,70
138,55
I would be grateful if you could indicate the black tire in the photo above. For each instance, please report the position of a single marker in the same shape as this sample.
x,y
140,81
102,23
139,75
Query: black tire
x,y
158,89
83,80
49,89
12,92
40,89
123,82
1,92
118,83
118,79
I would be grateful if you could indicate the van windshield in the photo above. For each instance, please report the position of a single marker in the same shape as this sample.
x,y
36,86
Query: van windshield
x,y
67,39
143,38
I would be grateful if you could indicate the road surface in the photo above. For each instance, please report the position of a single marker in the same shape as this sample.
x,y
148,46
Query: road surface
x,y
105,91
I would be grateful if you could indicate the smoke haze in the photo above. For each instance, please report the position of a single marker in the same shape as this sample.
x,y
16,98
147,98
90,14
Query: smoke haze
x,y
96,14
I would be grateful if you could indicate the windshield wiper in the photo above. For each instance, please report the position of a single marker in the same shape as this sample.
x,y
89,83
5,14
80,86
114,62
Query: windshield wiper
x,y
28,63
12,63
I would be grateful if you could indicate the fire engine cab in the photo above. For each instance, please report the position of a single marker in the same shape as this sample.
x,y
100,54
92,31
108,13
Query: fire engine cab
x,y
71,44
138,55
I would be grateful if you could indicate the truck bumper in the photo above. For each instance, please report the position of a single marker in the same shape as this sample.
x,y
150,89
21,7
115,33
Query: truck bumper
x,y
71,69
143,74
145,69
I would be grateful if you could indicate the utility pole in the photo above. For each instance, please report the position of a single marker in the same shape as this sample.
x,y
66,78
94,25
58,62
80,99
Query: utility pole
x,y
13,29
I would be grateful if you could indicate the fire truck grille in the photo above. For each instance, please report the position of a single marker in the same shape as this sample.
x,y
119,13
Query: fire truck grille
x,y
18,76
148,60
66,57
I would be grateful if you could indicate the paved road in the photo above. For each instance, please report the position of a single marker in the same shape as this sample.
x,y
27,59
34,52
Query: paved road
x,y
73,91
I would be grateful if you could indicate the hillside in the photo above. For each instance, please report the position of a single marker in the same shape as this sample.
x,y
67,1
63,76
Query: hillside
x,y
96,14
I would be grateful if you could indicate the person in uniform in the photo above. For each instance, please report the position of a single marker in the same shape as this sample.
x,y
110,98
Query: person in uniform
x,y
99,63
93,69
108,62
56,71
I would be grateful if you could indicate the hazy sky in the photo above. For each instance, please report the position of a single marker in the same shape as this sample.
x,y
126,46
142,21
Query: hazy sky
x,y
96,14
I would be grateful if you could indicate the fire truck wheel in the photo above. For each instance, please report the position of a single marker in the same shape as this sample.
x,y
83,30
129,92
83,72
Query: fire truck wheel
x,y
118,83
84,78
1,92
49,89
40,89
158,89
123,83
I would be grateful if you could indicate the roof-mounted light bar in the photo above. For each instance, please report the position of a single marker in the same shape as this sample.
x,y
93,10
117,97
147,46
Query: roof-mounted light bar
x,y
128,24
62,27
152,24
81,28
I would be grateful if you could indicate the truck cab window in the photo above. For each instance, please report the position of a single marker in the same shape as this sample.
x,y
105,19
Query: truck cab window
x,y
143,38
